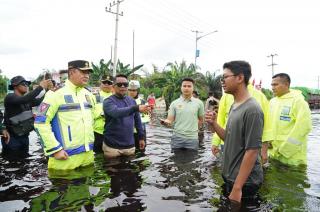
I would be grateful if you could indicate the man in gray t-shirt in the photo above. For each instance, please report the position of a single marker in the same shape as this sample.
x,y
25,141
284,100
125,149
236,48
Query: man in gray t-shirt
x,y
243,132
242,172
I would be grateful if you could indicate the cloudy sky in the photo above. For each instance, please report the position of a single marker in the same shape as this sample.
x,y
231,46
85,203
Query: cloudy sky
x,y
46,34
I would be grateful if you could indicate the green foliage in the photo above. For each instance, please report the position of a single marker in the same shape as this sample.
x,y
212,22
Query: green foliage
x,y
305,92
170,79
214,84
268,93
99,70
103,68
3,86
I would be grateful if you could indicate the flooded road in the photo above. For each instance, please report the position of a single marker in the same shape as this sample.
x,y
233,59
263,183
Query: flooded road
x,y
158,181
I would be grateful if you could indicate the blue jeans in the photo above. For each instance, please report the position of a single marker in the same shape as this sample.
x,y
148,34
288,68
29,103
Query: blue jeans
x,y
178,142
17,145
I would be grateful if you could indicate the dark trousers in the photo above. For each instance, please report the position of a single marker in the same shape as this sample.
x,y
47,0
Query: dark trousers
x,y
98,141
250,200
17,146
248,191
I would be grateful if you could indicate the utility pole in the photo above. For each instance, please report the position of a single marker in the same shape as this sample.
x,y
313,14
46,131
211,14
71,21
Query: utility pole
x,y
111,53
133,49
197,53
108,9
272,63
318,82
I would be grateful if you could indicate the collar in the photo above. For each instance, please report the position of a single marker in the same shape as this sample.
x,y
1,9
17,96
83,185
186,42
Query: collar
x,y
187,100
119,97
72,86
103,93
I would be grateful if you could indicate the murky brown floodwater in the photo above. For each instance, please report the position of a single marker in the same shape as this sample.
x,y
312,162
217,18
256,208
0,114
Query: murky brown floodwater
x,y
159,181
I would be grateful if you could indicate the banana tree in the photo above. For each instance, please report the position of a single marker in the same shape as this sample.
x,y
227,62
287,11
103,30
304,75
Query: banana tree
x,y
170,79
103,68
214,84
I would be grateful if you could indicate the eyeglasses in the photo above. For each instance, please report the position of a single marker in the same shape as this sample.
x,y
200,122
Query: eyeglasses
x,y
107,82
120,84
132,90
24,84
224,77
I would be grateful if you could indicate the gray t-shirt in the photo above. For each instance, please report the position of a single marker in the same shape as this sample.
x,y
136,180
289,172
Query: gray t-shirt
x,y
243,132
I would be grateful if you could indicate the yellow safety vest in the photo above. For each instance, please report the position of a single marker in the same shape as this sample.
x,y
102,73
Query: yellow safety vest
x,y
99,119
64,120
145,118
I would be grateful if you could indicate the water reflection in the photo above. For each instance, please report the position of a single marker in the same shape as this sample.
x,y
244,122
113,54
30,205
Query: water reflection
x,y
158,181
66,194
125,182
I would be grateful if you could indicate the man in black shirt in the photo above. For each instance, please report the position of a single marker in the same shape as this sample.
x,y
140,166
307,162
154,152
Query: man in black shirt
x,y
18,117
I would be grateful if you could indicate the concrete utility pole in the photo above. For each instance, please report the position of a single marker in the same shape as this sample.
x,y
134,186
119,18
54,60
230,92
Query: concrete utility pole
x,y
111,53
318,82
108,9
133,49
197,53
272,64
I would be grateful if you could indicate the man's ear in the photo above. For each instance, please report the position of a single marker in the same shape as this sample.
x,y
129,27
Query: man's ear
x,y
240,77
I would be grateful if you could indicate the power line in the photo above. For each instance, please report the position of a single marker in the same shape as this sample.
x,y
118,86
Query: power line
x,y
169,24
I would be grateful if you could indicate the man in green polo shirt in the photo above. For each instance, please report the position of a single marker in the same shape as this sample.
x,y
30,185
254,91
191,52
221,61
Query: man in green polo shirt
x,y
186,115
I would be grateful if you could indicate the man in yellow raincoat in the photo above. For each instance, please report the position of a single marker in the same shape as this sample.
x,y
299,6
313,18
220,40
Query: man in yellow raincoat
x,y
291,122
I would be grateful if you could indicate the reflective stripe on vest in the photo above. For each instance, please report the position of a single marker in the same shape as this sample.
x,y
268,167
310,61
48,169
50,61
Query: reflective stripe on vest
x,y
72,107
57,130
294,141
77,150
69,107
25,115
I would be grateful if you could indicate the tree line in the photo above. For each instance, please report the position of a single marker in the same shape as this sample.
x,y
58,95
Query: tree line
x,y
163,82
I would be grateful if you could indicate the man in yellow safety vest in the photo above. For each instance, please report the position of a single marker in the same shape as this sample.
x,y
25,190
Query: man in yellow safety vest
x,y
99,121
64,121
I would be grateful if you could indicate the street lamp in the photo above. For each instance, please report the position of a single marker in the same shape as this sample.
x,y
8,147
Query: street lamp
x,y
197,53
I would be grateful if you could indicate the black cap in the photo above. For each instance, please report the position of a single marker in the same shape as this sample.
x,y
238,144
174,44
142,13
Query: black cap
x,y
15,81
106,78
80,64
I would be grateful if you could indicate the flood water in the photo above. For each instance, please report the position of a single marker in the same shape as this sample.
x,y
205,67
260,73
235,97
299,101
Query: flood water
x,y
157,181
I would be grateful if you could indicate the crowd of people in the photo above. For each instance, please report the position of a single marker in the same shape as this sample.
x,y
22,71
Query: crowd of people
x,y
74,124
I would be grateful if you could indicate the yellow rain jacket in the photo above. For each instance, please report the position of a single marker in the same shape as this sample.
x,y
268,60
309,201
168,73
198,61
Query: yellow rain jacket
x,y
145,118
225,104
99,119
291,123
64,120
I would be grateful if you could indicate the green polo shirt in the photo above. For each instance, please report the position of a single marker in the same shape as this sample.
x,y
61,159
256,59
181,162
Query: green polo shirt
x,y
186,113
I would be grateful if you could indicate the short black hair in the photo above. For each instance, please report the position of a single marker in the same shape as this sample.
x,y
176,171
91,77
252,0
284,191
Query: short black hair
x,y
189,79
120,75
283,76
239,67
